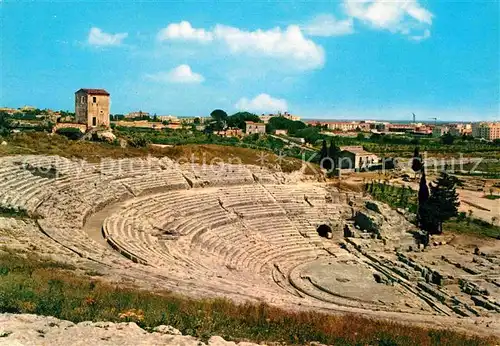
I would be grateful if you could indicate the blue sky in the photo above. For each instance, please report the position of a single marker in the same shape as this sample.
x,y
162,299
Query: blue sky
x,y
344,59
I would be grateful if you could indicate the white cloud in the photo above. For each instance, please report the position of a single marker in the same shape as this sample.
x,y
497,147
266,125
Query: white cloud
x,y
289,44
184,31
262,103
424,36
97,37
327,25
182,74
403,16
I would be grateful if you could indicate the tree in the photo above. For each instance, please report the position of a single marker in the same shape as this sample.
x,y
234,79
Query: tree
x,y
311,134
219,119
416,163
442,204
5,123
424,218
324,161
282,123
423,192
447,139
466,137
334,153
238,119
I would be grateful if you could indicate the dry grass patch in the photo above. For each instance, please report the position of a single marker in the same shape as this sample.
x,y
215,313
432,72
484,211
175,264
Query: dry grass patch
x,y
38,143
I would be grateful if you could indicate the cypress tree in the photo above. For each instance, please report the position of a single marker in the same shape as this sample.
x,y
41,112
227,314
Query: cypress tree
x,y
424,218
441,205
423,192
324,160
324,151
416,163
334,153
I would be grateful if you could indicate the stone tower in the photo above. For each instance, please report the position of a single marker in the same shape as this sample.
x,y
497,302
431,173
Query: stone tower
x,y
92,107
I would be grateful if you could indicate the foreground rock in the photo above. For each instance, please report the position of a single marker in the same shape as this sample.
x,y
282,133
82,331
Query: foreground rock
x,y
28,329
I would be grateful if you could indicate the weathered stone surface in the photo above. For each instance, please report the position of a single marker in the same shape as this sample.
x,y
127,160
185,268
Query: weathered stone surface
x,y
41,330
472,288
167,330
107,136
480,301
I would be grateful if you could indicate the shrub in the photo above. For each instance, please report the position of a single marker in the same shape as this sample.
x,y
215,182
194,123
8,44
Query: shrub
x,y
137,142
70,132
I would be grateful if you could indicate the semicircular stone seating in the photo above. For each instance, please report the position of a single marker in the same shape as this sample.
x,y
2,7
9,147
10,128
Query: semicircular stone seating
x,y
233,229
247,233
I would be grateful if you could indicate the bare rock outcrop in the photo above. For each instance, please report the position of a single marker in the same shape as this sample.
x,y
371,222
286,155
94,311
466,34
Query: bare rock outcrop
x,y
26,329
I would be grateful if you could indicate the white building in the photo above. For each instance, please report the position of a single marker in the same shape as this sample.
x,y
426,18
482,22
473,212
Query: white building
x,y
252,128
439,131
265,118
171,118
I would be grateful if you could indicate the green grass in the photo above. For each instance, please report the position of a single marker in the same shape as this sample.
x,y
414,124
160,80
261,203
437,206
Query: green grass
x,y
484,169
493,197
14,213
394,196
483,166
29,285
475,227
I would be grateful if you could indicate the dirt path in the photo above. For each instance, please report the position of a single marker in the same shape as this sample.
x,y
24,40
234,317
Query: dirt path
x,y
93,225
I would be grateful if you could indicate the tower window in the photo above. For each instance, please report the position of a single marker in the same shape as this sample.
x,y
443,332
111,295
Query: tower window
x,y
94,99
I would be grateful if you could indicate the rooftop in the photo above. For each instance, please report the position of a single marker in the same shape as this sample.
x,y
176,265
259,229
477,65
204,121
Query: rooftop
x,y
94,91
355,149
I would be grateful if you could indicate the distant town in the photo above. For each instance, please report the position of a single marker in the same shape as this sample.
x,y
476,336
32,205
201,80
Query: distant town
x,y
28,116
92,110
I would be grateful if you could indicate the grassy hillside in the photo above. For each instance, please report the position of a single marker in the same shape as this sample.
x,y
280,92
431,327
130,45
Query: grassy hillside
x,y
42,143
30,285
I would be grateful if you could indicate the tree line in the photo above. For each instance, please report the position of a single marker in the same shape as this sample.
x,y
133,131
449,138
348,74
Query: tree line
x,y
329,156
221,121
